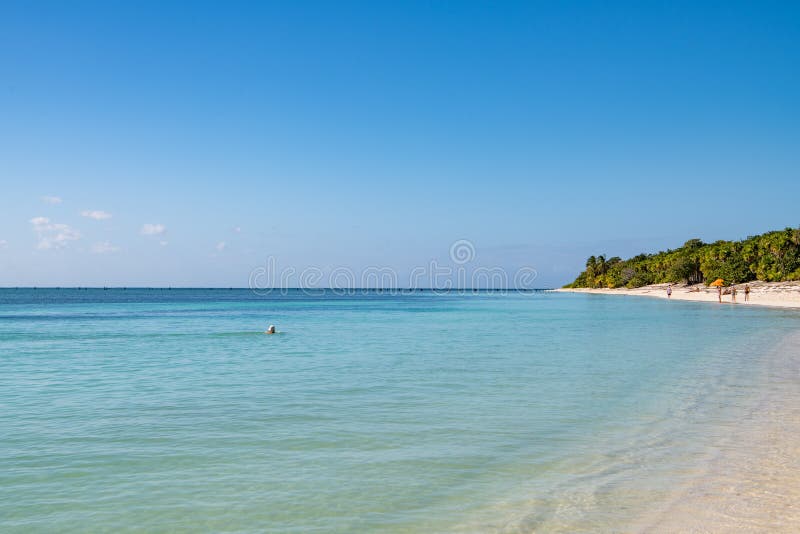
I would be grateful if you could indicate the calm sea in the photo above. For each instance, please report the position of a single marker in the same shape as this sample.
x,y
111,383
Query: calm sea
x,y
161,410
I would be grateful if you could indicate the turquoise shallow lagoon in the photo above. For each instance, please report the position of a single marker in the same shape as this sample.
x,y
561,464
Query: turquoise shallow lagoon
x,y
156,410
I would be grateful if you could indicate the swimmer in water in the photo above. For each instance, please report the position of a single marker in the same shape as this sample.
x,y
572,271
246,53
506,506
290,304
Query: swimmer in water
x,y
271,329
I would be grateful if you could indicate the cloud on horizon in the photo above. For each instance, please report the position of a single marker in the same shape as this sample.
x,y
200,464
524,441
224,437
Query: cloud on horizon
x,y
49,199
53,235
153,229
97,215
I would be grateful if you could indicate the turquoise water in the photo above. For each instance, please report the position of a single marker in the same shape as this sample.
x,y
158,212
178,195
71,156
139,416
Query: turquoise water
x,y
169,411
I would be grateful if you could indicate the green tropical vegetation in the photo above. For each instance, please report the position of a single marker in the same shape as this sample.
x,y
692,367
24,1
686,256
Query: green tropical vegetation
x,y
771,257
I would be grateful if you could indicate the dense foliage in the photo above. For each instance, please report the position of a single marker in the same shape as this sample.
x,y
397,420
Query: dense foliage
x,y
772,257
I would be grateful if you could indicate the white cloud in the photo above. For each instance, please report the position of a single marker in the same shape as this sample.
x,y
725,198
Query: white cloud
x,y
237,229
103,248
3,243
97,215
163,243
153,229
51,199
53,235
220,246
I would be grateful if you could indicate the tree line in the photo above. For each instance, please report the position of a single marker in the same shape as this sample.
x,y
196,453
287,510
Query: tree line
x,y
772,257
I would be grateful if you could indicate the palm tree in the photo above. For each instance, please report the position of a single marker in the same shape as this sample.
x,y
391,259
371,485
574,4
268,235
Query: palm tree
x,y
601,264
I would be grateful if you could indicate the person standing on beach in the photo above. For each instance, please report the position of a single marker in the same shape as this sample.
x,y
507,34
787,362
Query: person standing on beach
x,y
669,291
747,292
733,293
719,294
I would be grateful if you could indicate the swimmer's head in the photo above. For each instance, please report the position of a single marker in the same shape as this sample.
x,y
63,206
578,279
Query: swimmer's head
x,y
271,329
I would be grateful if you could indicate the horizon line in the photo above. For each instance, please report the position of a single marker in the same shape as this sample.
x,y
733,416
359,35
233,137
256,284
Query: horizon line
x,y
230,288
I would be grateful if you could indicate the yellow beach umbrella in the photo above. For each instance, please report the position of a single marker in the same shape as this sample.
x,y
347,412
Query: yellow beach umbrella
x,y
718,282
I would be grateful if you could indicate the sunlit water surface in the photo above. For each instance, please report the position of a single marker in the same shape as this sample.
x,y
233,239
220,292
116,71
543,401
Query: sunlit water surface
x,y
170,411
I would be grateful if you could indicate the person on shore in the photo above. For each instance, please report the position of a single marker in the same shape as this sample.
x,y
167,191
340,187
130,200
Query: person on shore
x,y
669,291
747,292
719,294
271,329
733,293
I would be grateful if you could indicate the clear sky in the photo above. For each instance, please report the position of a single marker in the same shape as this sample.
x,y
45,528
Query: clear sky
x,y
167,143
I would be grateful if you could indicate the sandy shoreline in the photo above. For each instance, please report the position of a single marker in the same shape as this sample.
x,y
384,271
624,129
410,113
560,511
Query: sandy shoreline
x,y
776,294
753,485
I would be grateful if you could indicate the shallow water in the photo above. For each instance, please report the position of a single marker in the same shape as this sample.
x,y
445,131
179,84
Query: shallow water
x,y
170,411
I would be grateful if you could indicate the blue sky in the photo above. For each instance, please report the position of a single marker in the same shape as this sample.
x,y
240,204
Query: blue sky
x,y
378,133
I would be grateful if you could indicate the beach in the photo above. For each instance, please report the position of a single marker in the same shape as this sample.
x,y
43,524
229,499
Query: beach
x,y
752,479
776,294
291,267
752,483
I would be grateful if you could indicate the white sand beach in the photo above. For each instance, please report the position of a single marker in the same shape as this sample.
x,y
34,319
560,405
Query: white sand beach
x,y
778,294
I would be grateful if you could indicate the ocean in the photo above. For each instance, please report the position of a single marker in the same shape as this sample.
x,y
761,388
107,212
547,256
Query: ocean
x,y
170,410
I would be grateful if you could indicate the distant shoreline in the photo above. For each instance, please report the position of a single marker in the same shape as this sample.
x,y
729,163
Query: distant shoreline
x,y
772,294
